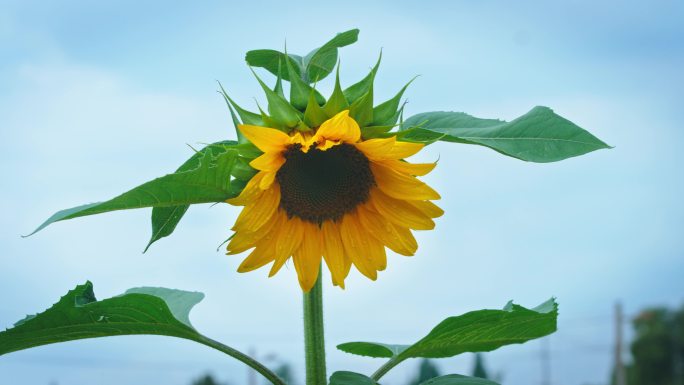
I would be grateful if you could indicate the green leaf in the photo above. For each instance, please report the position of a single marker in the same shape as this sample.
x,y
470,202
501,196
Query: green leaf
x,y
79,315
144,310
165,219
269,59
538,136
320,62
457,379
350,378
387,113
209,182
355,91
337,102
300,91
279,108
278,89
476,331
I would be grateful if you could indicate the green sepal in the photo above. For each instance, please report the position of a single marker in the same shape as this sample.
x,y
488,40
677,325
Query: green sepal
x,y
270,122
388,112
247,117
314,115
372,132
357,90
278,89
538,136
337,102
279,108
236,123
362,109
209,182
269,59
320,62
300,91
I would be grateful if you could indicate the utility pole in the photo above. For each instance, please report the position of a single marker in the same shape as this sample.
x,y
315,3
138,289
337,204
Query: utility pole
x,y
545,356
619,369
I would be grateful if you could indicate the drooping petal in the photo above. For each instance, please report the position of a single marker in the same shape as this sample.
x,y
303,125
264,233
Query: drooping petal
x,y
416,169
288,239
251,191
307,258
376,149
245,240
400,212
268,161
255,214
267,180
430,209
340,127
264,138
401,186
333,252
357,246
385,232
260,256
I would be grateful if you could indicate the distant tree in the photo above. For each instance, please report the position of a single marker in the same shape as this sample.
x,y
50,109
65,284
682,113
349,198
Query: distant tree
x,y
285,372
657,348
479,369
426,371
207,379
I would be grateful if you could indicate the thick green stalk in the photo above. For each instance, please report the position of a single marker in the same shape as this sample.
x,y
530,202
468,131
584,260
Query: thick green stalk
x,y
314,343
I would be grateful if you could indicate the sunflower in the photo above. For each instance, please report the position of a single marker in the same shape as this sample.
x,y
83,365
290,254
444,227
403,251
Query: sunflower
x,y
329,195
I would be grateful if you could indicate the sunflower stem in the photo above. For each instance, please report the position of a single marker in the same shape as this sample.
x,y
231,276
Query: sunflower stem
x,y
314,344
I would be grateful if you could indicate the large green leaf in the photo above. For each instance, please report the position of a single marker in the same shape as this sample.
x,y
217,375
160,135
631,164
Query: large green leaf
x,y
320,62
79,315
457,379
350,378
269,59
209,182
165,219
144,310
538,136
476,331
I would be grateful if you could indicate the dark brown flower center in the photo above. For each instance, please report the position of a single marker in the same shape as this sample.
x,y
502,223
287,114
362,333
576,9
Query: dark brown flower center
x,y
323,185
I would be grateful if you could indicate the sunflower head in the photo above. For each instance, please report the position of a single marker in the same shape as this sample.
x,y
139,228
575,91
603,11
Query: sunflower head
x,y
332,182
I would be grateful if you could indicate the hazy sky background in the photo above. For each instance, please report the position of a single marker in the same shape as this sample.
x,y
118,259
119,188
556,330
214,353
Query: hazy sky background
x,y
97,97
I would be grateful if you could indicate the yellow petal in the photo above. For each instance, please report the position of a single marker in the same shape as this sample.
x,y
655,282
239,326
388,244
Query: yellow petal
x,y
417,169
260,256
430,209
250,192
307,258
266,139
385,232
376,149
290,233
267,180
340,127
245,240
403,150
401,186
357,246
333,252
268,161
255,214
400,212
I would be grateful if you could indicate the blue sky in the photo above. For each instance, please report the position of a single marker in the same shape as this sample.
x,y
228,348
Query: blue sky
x,y
98,97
